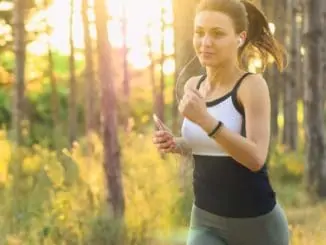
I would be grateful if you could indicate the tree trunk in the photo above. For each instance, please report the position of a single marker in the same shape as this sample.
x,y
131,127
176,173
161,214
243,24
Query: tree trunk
x,y
160,95
126,74
290,83
305,61
293,78
19,72
324,44
126,78
73,84
54,96
272,80
314,121
272,76
285,74
53,82
278,83
126,88
112,163
152,69
184,51
90,83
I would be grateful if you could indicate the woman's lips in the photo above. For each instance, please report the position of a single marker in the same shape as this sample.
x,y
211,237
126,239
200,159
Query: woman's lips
x,y
207,54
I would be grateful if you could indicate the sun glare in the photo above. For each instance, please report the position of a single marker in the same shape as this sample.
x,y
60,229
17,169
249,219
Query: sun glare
x,y
143,19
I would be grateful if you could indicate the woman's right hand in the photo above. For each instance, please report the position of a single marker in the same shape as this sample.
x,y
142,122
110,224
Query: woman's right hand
x,y
164,141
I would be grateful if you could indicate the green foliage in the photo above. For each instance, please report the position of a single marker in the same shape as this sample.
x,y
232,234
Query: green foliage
x,y
46,196
287,166
61,64
141,106
7,60
49,197
151,185
39,115
5,110
56,197
53,197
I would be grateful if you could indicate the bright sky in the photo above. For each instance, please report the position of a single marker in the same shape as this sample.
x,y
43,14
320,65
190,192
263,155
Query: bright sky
x,y
143,17
140,15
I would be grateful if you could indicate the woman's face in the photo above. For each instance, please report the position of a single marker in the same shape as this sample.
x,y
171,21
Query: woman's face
x,y
215,40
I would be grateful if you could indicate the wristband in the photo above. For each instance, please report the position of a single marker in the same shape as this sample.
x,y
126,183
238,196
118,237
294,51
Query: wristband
x,y
217,127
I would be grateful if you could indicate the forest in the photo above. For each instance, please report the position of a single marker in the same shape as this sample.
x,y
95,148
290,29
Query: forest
x,y
79,83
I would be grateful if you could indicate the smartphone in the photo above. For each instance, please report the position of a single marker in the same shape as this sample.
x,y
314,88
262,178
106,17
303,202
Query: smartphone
x,y
160,125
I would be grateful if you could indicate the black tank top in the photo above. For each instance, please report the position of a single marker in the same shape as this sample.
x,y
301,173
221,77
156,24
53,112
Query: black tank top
x,y
221,184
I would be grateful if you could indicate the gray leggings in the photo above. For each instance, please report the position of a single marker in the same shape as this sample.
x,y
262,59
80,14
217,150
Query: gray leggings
x,y
210,229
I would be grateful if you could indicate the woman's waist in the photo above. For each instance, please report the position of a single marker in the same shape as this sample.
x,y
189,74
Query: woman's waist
x,y
227,175
225,168
234,199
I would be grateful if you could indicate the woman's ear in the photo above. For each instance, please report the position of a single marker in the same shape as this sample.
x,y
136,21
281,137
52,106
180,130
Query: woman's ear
x,y
242,38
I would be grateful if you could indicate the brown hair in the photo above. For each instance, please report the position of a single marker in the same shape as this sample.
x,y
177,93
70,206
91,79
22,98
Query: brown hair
x,y
247,17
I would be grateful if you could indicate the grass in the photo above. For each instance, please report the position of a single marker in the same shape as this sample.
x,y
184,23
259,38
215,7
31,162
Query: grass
x,y
54,200
307,220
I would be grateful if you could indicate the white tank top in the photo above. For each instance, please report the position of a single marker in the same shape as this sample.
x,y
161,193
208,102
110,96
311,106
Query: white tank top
x,y
225,109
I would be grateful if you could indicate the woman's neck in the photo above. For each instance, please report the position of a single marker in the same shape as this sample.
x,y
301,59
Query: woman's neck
x,y
222,75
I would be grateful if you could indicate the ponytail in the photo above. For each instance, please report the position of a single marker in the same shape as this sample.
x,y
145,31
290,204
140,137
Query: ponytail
x,y
260,39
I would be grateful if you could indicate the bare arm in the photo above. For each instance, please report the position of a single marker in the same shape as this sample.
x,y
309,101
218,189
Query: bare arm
x,y
181,145
164,139
251,151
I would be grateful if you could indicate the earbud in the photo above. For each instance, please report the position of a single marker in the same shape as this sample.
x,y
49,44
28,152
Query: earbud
x,y
240,42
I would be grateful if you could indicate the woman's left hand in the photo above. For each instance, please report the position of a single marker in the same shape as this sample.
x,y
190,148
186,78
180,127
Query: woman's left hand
x,y
193,106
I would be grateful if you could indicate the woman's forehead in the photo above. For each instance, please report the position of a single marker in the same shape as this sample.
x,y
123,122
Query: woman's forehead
x,y
213,20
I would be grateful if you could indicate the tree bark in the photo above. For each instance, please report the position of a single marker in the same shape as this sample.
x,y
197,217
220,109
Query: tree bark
x,y
314,116
151,68
184,51
293,77
90,83
279,78
53,82
19,72
324,45
160,95
112,163
73,83
272,75
126,75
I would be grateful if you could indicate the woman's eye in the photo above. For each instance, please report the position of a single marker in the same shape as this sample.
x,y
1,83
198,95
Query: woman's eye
x,y
217,34
200,33
213,34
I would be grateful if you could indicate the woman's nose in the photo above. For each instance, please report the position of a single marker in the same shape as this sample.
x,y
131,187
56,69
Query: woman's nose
x,y
206,41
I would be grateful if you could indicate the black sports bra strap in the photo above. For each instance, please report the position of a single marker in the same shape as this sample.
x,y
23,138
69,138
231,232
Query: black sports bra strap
x,y
234,93
201,80
238,83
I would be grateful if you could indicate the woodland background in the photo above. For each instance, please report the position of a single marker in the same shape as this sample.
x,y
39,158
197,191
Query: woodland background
x,y
79,82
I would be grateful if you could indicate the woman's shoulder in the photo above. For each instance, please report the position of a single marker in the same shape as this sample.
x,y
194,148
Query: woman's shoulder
x,y
254,89
254,82
192,82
